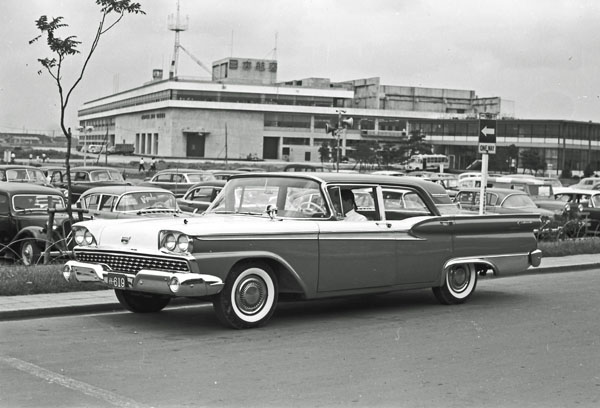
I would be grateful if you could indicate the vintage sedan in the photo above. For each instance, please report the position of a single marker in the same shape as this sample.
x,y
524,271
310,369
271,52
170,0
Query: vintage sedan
x,y
199,197
178,180
272,235
85,177
585,203
24,221
23,174
127,202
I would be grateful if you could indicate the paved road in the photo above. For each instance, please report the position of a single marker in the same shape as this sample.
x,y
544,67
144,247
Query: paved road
x,y
531,341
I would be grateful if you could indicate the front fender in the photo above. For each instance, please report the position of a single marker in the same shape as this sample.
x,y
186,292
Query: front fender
x,y
219,264
37,233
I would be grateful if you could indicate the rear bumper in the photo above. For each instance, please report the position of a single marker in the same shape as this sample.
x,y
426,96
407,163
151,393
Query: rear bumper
x,y
176,284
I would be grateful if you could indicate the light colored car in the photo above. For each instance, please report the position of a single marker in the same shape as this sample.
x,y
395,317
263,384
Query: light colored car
x,y
178,181
128,201
272,234
586,183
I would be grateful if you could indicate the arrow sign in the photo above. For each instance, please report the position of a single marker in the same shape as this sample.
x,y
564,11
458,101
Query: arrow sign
x,y
488,131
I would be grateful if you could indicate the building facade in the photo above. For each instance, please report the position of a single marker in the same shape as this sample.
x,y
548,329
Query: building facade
x,y
244,112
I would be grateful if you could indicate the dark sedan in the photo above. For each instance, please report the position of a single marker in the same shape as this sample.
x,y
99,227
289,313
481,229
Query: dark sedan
x,y
85,177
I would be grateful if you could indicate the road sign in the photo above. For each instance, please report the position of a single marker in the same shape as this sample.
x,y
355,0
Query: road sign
x,y
487,136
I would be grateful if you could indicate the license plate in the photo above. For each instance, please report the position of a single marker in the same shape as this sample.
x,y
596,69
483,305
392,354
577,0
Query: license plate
x,y
117,281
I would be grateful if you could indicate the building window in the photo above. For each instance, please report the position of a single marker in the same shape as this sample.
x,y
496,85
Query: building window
x,y
306,156
247,65
272,67
233,64
260,66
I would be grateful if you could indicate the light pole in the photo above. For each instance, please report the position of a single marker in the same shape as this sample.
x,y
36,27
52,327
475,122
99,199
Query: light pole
x,y
87,129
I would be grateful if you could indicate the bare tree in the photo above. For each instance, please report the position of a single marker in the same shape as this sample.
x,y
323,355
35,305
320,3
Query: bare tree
x,y
111,12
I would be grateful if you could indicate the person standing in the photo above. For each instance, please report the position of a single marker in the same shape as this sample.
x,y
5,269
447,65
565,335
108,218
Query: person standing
x,y
142,167
152,165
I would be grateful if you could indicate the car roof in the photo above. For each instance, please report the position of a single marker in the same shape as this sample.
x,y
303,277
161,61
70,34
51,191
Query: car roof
x,y
577,191
18,166
118,190
16,188
353,178
176,170
505,191
90,168
209,183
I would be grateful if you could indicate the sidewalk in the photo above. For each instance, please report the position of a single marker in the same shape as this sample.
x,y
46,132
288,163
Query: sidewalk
x,y
16,307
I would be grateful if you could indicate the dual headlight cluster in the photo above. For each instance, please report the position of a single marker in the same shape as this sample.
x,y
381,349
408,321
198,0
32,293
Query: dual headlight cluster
x,y
83,237
174,241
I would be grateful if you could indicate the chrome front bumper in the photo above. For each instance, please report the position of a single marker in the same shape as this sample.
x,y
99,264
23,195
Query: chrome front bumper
x,y
180,284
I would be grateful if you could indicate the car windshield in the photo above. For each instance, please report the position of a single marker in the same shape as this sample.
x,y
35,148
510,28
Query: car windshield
x,y
146,200
293,197
37,202
25,175
105,175
518,201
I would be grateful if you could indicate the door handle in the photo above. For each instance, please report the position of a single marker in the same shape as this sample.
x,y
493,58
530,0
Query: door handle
x,y
524,222
447,223
384,224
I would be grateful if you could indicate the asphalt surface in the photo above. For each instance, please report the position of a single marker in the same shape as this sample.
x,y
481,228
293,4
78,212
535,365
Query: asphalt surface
x,y
56,304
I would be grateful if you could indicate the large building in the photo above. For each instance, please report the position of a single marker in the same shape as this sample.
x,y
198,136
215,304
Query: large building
x,y
245,112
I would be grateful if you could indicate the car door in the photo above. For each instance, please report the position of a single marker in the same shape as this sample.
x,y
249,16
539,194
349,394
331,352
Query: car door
x,y
8,227
356,255
423,240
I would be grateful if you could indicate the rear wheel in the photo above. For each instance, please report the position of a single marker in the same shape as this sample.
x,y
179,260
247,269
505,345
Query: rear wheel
x,y
249,296
141,302
459,284
30,253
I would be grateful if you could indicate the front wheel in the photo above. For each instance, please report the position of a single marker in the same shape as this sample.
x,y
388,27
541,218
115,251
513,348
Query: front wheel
x,y
141,302
30,253
249,296
459,284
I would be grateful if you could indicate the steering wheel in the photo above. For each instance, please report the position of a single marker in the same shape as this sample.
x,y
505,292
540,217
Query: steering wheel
x,y
308,207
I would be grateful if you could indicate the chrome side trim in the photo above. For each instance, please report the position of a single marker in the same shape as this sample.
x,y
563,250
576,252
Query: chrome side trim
x,y
502,265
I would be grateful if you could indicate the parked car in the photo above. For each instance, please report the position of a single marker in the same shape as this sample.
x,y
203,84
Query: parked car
x,y
259,240
199,197
23,174
502,201
586,183
225,174
584,202
178,180
128,201
54,174
85,177
24,219
121,148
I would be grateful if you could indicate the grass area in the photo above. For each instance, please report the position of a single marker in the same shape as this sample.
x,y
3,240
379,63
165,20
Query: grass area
x,y
570,247
29,280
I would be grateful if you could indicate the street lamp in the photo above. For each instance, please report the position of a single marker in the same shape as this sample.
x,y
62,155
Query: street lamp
x,y
87,129
335,132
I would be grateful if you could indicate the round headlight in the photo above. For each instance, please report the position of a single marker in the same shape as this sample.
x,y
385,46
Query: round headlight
x,y
88,237
183,243
567,207
79,233
170,242
174,285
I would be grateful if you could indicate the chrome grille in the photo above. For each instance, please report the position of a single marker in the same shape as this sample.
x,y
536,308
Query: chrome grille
x,y
131,263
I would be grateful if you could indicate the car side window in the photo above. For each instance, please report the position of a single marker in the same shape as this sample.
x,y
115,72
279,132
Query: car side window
x,y
202,194
163,178
81,176
400,203
4,204
91,202
178,178
106,202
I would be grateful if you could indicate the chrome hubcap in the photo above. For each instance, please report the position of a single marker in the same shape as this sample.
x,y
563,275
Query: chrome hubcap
x,y
251,295
458,279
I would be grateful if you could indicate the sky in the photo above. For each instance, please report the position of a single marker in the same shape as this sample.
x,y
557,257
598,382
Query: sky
x,y
542,54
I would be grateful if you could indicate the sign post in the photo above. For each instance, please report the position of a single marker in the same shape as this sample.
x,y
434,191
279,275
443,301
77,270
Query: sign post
x,y
487,146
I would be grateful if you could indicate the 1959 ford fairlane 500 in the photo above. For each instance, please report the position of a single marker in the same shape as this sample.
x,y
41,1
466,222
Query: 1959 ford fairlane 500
x,y
281,234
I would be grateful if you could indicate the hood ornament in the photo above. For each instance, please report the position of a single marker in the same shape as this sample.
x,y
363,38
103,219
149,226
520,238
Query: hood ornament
x,y
125,240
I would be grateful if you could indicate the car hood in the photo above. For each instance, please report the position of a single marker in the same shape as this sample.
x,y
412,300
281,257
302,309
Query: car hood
x,y
143,233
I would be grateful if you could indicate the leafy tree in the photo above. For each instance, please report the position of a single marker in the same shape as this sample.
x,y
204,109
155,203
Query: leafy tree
x,y
531,160
416,143
111,12
324,152
366,153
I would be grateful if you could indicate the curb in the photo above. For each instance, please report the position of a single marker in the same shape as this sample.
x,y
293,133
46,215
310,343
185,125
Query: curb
x,y
115,306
